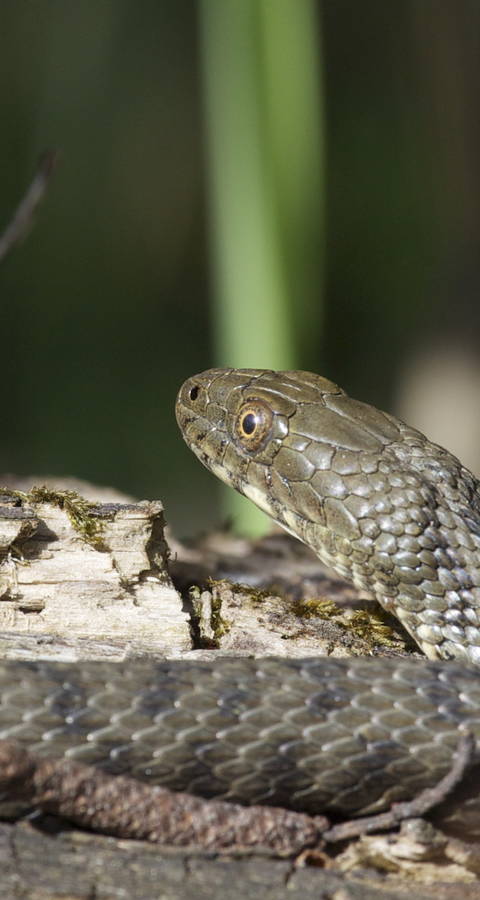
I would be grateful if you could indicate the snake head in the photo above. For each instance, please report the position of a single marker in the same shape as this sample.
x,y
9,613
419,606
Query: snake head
x,y
271,434
379,503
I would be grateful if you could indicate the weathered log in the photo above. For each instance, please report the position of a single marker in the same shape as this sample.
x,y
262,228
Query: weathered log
x,y
91,577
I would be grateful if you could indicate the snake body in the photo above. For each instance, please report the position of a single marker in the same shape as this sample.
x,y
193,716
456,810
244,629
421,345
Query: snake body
x,y
386,508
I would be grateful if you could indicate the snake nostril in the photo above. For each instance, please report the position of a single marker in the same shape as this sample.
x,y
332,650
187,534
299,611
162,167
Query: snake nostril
x,y
193,392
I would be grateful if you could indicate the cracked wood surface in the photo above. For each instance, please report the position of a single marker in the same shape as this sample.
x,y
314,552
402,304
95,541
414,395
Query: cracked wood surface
x,y
58,587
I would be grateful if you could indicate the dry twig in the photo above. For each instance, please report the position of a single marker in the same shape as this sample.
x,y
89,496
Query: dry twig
x,y
126,808
22,218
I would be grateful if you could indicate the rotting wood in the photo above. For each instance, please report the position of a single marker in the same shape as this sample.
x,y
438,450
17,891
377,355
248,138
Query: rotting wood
x,y
56,581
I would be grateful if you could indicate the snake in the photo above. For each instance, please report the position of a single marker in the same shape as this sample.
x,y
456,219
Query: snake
x,y
396,515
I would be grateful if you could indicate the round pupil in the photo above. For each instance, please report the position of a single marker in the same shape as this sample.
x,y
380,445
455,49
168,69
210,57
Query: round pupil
x,y
249,423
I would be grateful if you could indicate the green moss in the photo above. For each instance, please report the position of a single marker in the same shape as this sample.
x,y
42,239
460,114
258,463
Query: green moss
x,y
219,625
316,607
371,627
79,510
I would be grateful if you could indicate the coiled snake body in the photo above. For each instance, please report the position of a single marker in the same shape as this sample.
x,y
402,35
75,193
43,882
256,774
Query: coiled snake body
x,y
395,514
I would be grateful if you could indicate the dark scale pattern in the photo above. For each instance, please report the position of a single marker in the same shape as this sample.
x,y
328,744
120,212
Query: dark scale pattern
x,y
319,735
394,513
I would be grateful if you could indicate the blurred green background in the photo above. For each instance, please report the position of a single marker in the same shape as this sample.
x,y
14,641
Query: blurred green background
x,y
242,182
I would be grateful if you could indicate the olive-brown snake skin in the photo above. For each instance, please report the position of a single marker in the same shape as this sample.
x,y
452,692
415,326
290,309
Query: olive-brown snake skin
x,y
395,514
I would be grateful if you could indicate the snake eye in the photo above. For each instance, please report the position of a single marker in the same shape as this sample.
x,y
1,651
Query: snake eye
x,y
253,424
